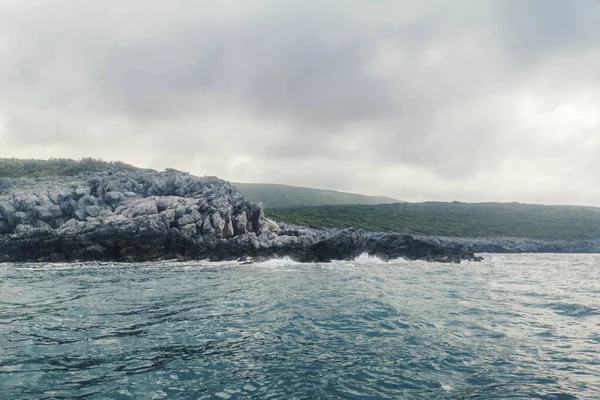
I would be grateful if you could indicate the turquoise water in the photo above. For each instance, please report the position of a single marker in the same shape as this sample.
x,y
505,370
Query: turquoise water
x,y
512,327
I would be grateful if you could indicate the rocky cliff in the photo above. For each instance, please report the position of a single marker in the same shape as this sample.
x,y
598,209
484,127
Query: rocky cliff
x,y
149,215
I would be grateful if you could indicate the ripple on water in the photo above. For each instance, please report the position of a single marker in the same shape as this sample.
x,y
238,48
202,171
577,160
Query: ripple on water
x,y
514,326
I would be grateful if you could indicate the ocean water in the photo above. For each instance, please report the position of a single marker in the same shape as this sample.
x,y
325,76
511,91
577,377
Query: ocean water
x,y
511,327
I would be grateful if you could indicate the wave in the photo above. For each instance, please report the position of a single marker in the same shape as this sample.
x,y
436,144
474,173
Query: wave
x,y
365,258
277,263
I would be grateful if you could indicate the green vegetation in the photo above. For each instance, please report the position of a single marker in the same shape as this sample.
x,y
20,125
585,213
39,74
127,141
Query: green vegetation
x,y
16,168
279,196
328,208
455,219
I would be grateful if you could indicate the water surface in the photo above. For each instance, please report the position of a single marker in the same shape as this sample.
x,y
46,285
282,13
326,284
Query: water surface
x,y
512,327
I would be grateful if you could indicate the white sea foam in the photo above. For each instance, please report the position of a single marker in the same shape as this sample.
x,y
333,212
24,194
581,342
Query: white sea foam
x,y
365,258
283,263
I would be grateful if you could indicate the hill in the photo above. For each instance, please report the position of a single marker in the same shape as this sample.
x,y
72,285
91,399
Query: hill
x,y
18,168
280,196
455,219
328,208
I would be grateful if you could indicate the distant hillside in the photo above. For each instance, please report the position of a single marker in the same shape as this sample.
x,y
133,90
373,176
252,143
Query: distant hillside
x,y
279,196
17,168
455,219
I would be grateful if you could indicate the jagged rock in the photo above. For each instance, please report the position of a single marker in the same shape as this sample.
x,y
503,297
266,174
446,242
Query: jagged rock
x,y
186,219
23,228
208,232
240,223
257,218
218,224
82,190
228,228
4,227
93,211
81,214
55,211
26,203
113,197
188,230
39,224
87,201
43,213
152,226
70,224
515,245
6,209
144,208
149,215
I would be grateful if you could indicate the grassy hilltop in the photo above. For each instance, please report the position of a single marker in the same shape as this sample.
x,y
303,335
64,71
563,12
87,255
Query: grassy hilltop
x,y
282,196
18,168
455,219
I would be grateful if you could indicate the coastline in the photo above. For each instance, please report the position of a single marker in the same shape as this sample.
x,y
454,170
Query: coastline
x,y
149,215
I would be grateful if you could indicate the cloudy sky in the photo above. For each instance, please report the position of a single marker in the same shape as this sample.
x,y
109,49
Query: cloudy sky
x,y
471,100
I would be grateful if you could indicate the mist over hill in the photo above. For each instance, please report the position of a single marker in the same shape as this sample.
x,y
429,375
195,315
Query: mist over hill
x,y
282,196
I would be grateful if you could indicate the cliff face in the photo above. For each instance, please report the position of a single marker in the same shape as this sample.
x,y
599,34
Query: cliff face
x,y
124,216
148,215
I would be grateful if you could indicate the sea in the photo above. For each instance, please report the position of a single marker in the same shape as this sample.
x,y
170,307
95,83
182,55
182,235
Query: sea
x,y
511,327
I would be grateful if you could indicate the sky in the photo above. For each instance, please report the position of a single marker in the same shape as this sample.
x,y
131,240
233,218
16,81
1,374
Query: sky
x,y
467,100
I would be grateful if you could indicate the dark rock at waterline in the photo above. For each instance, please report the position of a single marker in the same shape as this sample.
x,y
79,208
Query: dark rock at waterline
x,y
514,245
349,244
149,215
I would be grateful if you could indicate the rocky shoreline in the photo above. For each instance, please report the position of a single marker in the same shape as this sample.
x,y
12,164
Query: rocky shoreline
x,y
516,245
150,215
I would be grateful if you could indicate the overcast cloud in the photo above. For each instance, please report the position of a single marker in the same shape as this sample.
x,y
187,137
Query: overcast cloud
x,y
472,100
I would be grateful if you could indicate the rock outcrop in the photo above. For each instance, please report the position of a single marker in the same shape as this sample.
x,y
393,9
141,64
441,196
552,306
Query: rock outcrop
x,y
149,215
514,245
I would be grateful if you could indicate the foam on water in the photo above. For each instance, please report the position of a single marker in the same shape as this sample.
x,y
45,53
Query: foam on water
x,y
277,263
365,258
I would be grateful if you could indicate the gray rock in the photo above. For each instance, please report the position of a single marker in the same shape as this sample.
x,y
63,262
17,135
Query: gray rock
x,y
147,207
208,232
148,215
55,211
228,231
186,219
5,227
41,225
81,214
189,230
6,209
43,213
168,217
239,225
21,217
152,226
82,190
87,201
93,211
23,228
70,224
26,203
195,214
113,197
105,214
218,224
